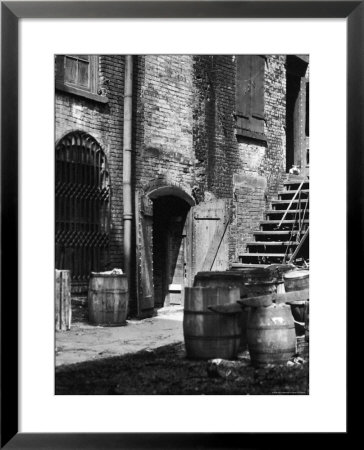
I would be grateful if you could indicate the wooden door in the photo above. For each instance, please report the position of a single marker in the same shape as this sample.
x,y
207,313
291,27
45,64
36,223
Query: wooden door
x,y
209,246
144,256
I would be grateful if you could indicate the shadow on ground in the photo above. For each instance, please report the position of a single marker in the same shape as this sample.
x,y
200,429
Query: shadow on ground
x,y
167,371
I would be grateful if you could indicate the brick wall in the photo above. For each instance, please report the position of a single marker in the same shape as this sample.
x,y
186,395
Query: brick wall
x,y
164,144
105,123
184,135
259,167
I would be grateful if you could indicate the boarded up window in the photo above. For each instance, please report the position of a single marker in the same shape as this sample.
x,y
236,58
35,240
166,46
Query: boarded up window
x,y
250,96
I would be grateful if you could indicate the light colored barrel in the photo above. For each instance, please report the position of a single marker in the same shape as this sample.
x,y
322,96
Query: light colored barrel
x,y
271,335
108,299
296,280
208,334
63,310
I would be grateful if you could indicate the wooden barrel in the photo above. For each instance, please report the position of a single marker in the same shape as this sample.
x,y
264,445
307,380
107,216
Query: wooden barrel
x,y
258,281
63,310
271,335
279,270
307,312
108,299
227,278
207,334
297,280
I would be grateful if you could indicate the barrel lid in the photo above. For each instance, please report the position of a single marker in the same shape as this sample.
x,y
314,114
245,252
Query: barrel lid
x,y
301,273
107,275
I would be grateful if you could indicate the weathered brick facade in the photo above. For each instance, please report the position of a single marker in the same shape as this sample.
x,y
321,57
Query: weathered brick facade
x,y
105,123
184,135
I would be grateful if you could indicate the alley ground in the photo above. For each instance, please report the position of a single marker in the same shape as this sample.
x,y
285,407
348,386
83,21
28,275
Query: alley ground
x,y
85,342
148,357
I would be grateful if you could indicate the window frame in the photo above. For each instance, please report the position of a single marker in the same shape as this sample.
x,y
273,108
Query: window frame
x,y
91,93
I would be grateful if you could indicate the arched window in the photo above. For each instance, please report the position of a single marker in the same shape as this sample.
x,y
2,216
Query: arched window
x,y
82,207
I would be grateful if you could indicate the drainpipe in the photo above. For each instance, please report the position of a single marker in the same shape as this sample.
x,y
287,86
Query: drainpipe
x,y
127,166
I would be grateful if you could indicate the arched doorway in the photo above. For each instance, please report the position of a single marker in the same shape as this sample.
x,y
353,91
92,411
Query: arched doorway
x,y
82,191
175,239
169,250
161,248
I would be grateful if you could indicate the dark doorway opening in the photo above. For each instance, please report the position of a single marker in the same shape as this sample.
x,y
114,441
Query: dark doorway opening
x,y
169,250
297,130
293,90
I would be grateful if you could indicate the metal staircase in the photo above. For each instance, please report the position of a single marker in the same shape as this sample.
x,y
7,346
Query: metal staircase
x,y
283,235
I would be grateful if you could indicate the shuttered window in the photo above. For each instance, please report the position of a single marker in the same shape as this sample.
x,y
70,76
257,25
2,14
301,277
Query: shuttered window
x,y
250,96
78,74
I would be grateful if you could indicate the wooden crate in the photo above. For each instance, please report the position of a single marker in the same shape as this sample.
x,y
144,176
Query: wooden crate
x,y
63,310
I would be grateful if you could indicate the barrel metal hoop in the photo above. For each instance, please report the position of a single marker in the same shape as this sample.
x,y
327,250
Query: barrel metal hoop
x,y
108,291
280,327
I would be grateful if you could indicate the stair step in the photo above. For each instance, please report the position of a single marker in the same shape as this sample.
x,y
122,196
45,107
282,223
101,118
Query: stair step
x,y
290,211
285,224
285,203
273,233
262,258
268,255
272,243
291,193
248,266
264,236
290,183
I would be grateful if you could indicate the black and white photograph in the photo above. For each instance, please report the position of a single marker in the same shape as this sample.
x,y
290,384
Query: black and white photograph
x,y
181,224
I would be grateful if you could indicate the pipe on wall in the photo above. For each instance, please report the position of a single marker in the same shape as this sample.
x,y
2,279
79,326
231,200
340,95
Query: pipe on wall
x,y
127,166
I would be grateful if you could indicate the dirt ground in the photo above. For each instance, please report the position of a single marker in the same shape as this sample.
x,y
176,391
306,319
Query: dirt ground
x,y
148,357
85,342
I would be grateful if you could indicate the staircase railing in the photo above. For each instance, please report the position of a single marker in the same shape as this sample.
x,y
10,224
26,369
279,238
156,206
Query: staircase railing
x,y
300,222
290,204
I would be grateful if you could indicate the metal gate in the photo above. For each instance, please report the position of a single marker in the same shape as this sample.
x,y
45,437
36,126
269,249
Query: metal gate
x,y
82,207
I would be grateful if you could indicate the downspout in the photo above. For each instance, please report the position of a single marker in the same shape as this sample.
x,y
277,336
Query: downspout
x,y
127,166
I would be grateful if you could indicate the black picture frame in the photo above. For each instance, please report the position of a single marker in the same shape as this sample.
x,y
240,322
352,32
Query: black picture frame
x,y
11,12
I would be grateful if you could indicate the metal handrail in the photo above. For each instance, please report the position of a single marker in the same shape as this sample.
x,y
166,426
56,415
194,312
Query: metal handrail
x,y
299,246
290,204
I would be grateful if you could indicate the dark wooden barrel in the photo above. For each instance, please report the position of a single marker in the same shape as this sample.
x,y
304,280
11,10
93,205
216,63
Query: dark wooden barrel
x,y
297,280
227,278
271,335
108,298
258,281
207,334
